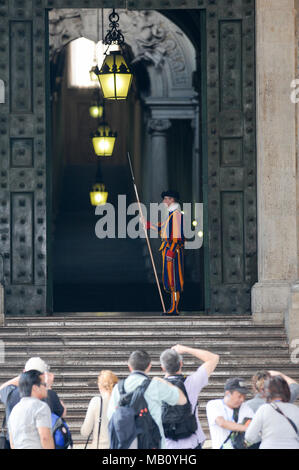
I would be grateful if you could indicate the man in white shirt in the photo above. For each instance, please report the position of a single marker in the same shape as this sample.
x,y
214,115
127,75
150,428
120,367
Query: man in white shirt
x,y
30,421
221,413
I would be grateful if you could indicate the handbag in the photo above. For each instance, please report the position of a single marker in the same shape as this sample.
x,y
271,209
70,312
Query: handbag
x,y
100,422
236,439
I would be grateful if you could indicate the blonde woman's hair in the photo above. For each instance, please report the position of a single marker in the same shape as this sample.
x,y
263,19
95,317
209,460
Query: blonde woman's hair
x,y
258,381
107,380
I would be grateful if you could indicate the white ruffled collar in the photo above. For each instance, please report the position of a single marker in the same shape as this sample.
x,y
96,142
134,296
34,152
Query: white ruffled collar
x,y
174,206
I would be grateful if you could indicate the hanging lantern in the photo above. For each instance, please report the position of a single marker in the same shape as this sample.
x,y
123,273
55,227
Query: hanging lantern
x,y
93,73
103,141
115,76
96,110
98,195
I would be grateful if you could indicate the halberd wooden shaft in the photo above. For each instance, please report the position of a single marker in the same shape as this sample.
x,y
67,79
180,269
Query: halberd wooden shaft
x,y
146,236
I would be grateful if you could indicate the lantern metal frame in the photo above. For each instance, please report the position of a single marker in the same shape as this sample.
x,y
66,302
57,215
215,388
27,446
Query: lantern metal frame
x,y
119,66
98,194
102,124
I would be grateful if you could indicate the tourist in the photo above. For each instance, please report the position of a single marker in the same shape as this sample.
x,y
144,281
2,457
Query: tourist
x,y
275,423
30,424
258,385
10,395
229,413
172,364
158,391
96,421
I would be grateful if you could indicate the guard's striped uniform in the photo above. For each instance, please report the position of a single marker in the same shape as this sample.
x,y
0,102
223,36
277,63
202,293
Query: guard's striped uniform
x,y
172,247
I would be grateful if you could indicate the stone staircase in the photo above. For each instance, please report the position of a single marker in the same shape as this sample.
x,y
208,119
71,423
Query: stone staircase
x,y
78,347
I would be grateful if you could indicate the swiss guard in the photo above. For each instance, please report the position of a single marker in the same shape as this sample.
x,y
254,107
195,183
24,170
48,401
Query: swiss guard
x,y
172,248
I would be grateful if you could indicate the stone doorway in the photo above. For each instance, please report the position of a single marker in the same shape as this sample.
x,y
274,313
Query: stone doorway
x,y
227,142
158,124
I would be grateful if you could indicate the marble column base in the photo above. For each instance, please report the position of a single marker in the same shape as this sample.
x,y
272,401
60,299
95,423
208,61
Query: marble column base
x,y
269,301
292,314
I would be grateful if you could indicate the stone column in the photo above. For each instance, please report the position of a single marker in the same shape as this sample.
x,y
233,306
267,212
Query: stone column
x,y
158,129
276,159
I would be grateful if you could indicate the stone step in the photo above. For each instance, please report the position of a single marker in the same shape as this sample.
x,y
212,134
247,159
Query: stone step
x,y
247,332
127,346
58,353
108,319
96,360
77,347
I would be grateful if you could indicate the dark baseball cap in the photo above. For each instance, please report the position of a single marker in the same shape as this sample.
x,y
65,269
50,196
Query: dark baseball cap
x,y
236,384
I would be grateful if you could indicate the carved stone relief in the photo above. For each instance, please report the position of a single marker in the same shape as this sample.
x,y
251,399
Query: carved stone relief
x,y
152,37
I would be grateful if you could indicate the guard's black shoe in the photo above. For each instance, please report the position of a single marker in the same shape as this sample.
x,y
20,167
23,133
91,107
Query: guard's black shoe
x,y
170,314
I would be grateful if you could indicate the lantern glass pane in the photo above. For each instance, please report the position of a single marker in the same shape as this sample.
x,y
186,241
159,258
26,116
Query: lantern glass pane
x,y
115,86
103,146
96,111
115,77
98,198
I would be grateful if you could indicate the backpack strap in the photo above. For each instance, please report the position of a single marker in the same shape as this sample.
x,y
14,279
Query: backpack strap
x,y
236,414
100,420
121,387
143,386
178,380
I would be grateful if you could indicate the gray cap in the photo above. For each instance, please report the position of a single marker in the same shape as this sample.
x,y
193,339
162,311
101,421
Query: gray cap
x,y
236,384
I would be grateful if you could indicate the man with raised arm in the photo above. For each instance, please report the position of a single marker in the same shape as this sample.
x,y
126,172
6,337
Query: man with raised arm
x,y
181,425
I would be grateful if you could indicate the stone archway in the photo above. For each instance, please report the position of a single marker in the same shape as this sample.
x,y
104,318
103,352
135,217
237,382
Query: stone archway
x,y
170,61
169,102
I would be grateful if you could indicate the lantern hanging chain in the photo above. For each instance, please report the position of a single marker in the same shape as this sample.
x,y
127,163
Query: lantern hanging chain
x,y
98,26
114,35
103,25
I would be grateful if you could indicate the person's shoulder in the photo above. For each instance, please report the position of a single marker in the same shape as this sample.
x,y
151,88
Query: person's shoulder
x,y
214,403
9,390
177,213
291,406
246,410
199,377
261,410
159,382
160,387
52,396
96,400
40,406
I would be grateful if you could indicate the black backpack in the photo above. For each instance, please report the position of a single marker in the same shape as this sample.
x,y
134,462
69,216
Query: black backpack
x,y
132,420
178,421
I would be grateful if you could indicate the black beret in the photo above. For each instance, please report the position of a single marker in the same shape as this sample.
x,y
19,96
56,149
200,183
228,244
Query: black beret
x,y
170,193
